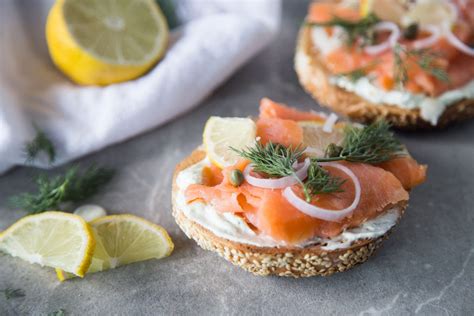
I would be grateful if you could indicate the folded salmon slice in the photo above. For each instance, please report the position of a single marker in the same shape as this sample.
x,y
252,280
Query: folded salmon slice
x,y
279,131
407,170
272,215
272,109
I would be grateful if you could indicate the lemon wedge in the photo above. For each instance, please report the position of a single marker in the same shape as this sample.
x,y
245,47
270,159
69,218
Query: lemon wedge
x,y
125,239
222,133
53,239
99,42
316,140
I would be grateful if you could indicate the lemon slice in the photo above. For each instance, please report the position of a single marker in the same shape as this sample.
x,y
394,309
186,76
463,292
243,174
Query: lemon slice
x,y
221,133
105,41
125,239
365,7
53,239
431,13
387,10
316,140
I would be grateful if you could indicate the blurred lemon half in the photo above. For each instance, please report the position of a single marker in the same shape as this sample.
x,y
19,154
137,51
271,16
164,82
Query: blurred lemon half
x,y
99,42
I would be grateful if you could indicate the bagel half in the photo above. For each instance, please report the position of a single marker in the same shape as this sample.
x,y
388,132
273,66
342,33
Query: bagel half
x,y
283,261
314,77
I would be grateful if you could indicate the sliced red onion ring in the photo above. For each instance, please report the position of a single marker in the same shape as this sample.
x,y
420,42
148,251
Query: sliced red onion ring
x,y
391,40
435,34
329,124
456,42
301,171
321,213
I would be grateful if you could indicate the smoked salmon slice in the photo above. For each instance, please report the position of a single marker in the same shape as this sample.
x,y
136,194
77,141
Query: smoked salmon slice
x,y
270,213
272,109
279,131
409,172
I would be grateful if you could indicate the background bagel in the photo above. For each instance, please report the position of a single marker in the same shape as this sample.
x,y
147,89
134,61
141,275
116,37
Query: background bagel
x,y
314,77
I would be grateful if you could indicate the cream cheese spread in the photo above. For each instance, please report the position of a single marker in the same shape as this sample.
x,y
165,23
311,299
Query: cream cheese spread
x,y
234,228
431,109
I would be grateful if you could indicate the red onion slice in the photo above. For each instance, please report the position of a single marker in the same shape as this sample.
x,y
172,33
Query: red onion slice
x,y
435,34
391,40
321,213
301,171
456,42
329,124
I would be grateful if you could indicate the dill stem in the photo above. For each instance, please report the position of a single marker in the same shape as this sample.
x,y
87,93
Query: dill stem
x,y
329,159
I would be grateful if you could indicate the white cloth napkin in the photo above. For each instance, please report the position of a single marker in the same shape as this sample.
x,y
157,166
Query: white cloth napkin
x,y
216,37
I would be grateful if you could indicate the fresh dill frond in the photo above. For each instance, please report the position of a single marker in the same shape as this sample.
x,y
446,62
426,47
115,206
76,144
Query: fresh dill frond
x,y
372,144
362,29
274,160
425,59
355,74
59,312
41,143
359,73
13,293
73,186
319,181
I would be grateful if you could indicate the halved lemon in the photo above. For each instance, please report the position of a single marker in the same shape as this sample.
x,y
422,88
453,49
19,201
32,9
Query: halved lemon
x,y
125,239
105,41
222,133
316,140
53,239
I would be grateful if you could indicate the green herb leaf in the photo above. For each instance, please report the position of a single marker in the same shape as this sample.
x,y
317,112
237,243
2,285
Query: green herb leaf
x,y
425,59
41,143
59,312
362,29
319,181
371,144
13,293
274,160
359,73
73,186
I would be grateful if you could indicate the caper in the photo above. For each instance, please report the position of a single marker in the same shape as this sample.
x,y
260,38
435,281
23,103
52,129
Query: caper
x,y
411,31
236,177
333,150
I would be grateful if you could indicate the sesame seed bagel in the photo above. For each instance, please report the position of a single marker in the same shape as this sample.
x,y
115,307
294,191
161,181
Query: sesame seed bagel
x,y
282,261
314,77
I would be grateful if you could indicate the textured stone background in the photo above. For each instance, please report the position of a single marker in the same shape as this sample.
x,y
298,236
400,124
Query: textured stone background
x,y
426,267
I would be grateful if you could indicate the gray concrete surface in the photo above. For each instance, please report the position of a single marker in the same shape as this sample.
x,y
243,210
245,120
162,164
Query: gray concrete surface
x,y
426,267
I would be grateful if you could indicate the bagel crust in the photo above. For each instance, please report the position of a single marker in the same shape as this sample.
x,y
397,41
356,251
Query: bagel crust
x,y
282,261
314,77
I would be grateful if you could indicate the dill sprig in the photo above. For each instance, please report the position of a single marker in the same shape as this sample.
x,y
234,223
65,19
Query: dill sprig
x,y
359,73
41,143
425,59
372,144
12,293
361,29
319,181
73,186
59,312
274,160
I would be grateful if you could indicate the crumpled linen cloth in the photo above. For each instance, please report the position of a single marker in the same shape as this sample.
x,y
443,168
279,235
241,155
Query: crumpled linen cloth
x,y
214,39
